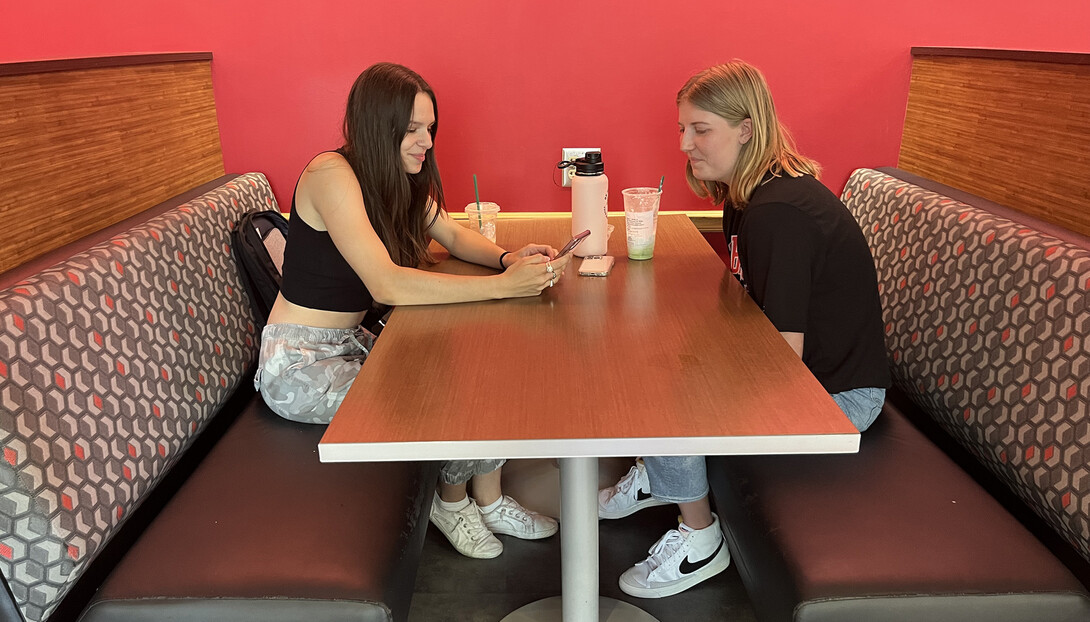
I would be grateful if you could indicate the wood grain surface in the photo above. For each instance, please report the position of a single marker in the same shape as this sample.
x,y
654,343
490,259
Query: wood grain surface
x,y
1014,130
666,349
81,149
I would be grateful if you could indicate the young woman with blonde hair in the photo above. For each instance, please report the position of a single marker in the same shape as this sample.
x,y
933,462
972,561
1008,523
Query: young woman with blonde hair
x,y
803,259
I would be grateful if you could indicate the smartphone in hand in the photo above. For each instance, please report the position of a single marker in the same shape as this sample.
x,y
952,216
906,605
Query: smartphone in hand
x,y
572,243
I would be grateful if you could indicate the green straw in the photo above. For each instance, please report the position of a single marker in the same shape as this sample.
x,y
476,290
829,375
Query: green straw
x,y
661,181
477,193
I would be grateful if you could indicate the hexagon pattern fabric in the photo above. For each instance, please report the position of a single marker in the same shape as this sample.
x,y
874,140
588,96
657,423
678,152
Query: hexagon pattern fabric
x,y
988,327
110,363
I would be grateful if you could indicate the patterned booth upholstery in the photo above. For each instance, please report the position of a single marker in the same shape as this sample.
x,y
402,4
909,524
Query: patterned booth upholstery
x,y
115,355
111,362
988,329
986,320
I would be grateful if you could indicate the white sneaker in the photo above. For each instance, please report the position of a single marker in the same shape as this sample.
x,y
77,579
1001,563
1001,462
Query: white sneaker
x,y
511,519
679,560
465,530
631,494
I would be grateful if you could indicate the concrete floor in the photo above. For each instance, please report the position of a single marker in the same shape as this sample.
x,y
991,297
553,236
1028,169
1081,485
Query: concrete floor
x,y
450,587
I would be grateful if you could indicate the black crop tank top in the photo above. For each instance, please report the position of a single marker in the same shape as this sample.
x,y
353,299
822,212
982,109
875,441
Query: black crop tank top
x,y
316,276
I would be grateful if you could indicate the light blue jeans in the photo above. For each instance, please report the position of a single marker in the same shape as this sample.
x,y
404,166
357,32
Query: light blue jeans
x,y
681,479
861,405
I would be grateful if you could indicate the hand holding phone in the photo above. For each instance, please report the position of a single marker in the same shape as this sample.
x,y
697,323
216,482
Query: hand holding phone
x,y
572,243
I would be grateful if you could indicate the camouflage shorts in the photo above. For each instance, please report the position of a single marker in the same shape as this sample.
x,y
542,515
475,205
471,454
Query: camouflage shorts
x,y
303,373
460,471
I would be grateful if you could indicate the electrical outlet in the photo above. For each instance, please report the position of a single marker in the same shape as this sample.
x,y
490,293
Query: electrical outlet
x,y
569,154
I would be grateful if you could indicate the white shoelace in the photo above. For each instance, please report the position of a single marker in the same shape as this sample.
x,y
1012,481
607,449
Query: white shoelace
x,y
476,530
665,547
515,510
517,514
627,482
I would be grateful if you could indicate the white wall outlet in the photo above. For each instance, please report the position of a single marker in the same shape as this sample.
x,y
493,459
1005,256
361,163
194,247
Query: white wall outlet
x,y
569,154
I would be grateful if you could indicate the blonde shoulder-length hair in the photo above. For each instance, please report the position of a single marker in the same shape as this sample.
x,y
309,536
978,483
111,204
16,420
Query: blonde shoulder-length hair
x,y
737,91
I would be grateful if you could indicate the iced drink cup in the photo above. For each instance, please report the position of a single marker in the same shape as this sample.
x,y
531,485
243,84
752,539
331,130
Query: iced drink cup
x,y
641,217
483,220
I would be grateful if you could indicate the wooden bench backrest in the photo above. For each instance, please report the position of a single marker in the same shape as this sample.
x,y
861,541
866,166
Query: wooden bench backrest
x,y
86,143
1011,127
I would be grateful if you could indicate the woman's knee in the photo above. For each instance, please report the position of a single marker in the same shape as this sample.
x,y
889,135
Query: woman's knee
x,y
294,405
861,406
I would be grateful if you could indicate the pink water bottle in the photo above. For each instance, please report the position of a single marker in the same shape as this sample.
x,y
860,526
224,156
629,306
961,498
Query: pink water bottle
x,y
589,195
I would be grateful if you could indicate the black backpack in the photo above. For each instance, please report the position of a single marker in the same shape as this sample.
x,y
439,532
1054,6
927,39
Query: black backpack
x,y
257,243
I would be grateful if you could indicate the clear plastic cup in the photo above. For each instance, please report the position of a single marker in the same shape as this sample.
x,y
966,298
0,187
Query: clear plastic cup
x,y
483,220
641,217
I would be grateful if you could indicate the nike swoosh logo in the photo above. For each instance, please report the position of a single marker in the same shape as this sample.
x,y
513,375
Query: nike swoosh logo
x,y
642,496
688,567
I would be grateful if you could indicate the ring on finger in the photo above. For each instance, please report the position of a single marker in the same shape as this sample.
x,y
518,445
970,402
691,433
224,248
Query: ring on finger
x,y
549,268
551,281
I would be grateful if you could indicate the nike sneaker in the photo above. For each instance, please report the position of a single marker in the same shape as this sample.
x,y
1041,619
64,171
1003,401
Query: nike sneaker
x,y
630,495
679,560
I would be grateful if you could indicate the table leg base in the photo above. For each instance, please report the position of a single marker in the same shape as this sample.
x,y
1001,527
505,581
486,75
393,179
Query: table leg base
x,y
551,610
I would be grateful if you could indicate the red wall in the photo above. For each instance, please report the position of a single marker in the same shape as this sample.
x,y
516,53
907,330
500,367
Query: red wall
x,y
518,79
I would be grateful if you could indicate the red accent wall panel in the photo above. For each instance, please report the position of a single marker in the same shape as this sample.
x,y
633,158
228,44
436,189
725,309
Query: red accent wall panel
x,y
516,81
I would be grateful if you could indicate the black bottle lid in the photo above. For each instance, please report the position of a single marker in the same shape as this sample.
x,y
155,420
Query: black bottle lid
x,y
590,164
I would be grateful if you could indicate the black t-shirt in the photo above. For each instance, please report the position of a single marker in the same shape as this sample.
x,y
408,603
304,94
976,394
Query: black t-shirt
x,y
805,262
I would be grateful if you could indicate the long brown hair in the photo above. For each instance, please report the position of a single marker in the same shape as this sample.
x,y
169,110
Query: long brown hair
x,y
380,108
737,91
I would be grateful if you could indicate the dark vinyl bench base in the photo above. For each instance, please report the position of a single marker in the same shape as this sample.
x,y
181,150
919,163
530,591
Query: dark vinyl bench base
x,y
897,532
263,530
240,610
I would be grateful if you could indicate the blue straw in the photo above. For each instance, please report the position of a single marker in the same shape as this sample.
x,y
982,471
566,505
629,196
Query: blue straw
x,y
661,181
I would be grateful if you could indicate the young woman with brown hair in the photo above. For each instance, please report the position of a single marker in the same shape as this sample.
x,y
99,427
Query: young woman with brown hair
x,y
361,219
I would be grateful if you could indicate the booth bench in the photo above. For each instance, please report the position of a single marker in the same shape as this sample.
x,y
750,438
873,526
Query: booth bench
x,y
970,496
142,479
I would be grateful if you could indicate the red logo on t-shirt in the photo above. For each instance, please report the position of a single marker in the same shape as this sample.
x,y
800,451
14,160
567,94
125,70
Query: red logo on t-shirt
x,y
734,263
732,250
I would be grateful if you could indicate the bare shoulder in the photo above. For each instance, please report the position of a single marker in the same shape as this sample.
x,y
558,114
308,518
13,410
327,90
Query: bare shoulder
x,y
327,182
328,161
327,169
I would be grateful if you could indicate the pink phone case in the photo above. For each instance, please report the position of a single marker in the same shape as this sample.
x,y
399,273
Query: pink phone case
x,y
596,265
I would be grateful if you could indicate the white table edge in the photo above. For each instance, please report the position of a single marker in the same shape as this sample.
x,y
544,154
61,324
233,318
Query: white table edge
x,y
590,447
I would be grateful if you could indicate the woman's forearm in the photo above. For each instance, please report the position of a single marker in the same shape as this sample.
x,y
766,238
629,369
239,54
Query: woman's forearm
x,y
473,247
410,286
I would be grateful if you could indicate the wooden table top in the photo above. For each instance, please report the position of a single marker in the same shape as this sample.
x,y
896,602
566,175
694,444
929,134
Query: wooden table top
x,y
663,357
